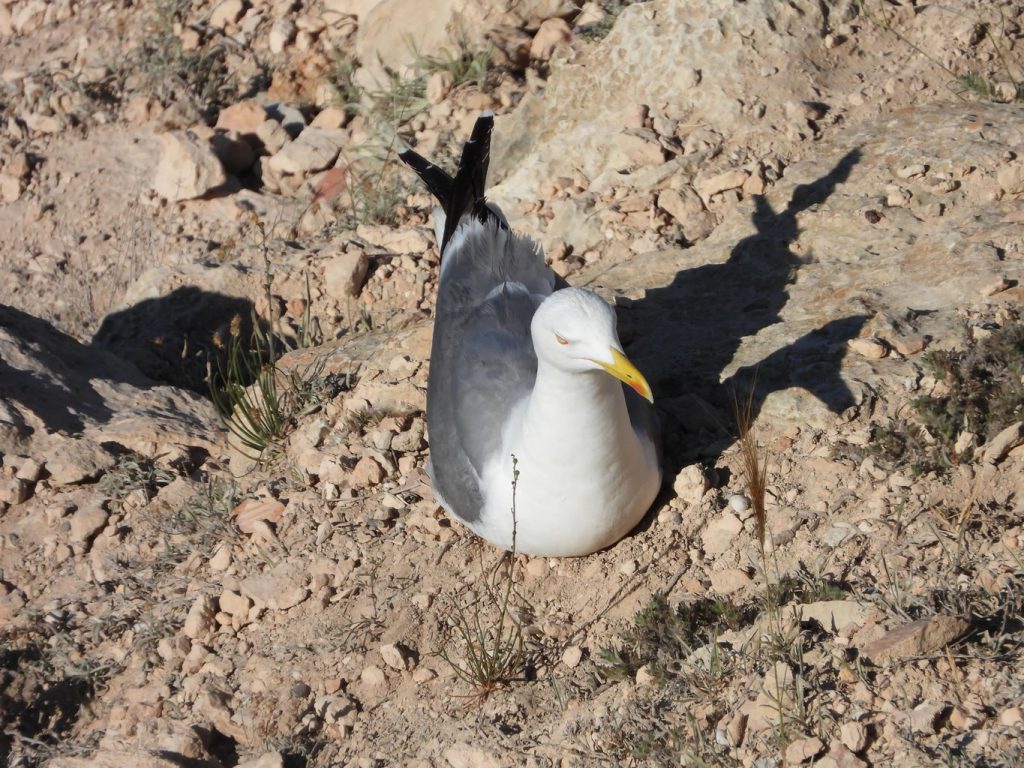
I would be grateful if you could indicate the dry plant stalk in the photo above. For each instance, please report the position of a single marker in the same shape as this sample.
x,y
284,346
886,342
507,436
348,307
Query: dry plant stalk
x,y
755,462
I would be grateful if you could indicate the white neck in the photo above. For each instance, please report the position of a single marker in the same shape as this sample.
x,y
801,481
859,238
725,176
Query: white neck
x,y
583,413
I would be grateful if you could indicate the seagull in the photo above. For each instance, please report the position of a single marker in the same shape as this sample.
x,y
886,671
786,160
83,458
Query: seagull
x,y
542,434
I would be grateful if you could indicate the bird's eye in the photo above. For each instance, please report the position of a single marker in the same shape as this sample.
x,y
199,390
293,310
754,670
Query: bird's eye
x,y
561,340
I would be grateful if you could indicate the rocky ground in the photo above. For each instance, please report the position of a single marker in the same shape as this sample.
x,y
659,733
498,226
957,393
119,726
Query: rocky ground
x,y
813,210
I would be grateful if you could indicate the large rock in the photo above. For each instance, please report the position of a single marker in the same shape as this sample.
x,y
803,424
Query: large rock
x,y
57,388
774,294
314,150
718,50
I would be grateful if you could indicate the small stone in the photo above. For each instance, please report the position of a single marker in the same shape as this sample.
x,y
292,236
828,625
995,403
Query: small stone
x,y
281,34
268,760
252,511
373,676
439,85
924,718
708,188
729,581
201,619
87,521
1011,177
645,678
1004,92
226,13
551,34
272,136
221,559
736,730
330,117
572,656
29,470
910,344
395,656
917,638
996,449
234,604
423,675
803,750
188,167
691,484
871,348
628,568
10,188
962,720
1011,716
739,504
345,273
720,533
590,13
908,172
854,736
314,150
366,473
896,196
998,285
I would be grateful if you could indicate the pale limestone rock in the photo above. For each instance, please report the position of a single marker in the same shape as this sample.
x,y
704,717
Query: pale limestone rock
x,y
226,13
691,484
995,450
917,638
314,150
729,581
720,533
268,760
873,349
87,521
281,34
924,717
366,473
572,656
200,619
272,135
188,167
709,187
551,34
395,656
854,736
10,188
803,750
345,273
372,676
234,604
439,85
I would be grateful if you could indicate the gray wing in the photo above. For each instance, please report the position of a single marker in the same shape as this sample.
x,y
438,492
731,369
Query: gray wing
x,y
482,359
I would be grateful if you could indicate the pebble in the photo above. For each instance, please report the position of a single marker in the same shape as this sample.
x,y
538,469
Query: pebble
x,y
188,167
720,533
739,504
1011,716
729,581
282,33
395,656
572,656
871,348
372,676
924,717
691,484
803,750
907,172
87,521
367,473
915,638
854,736
221,559
551,34
628,568
345,274
201,618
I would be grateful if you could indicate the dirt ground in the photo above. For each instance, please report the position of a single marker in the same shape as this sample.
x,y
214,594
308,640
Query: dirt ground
x,y
808,216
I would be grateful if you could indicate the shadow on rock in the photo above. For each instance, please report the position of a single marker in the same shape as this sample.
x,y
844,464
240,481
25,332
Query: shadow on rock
x,y
172,337
687,333
51,374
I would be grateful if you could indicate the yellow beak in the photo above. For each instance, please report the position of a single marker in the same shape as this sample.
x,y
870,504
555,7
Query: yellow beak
x,y
626,372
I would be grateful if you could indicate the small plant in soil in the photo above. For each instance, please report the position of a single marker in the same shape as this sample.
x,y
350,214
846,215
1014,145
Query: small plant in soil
x,y
489,637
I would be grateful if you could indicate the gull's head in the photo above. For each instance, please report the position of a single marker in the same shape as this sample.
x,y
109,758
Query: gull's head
x,y
574,330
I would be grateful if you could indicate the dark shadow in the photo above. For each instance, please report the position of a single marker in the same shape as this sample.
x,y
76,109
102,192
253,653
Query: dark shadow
x,y
683,336
171,338
62,400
